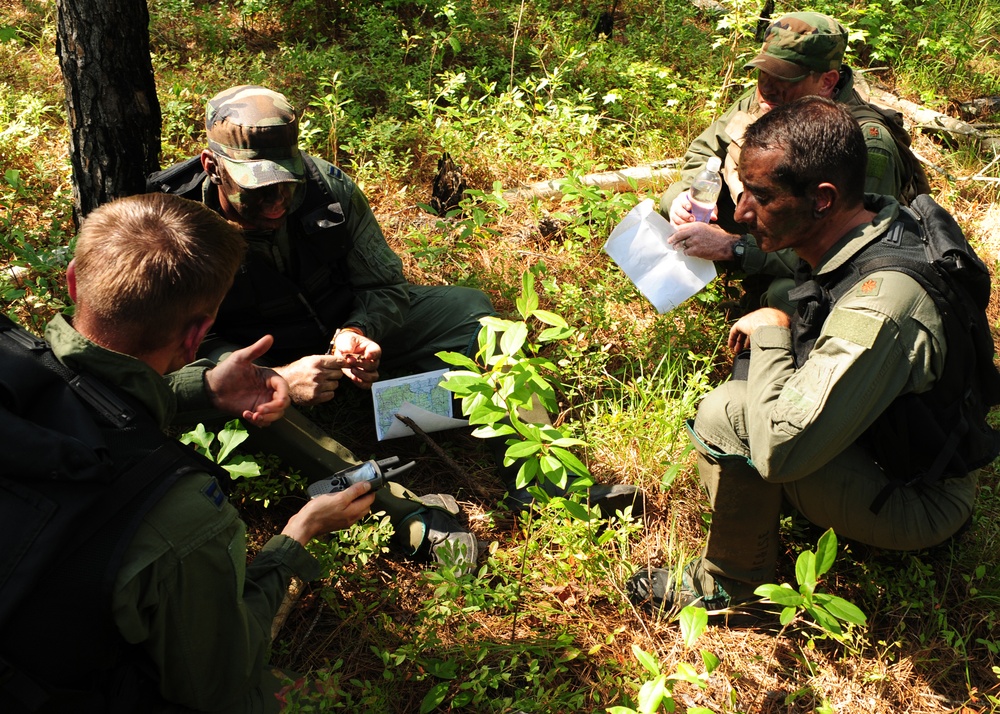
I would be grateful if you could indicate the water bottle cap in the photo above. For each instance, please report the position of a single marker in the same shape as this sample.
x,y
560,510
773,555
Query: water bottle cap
x,y
714,164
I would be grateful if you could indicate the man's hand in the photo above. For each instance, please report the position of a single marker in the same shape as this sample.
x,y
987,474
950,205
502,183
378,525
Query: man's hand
x,y
330,512
680,211
360,356
741,332
313,379
238,386
703,240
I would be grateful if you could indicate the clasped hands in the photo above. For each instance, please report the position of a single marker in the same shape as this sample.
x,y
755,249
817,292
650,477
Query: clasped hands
x,y
314,379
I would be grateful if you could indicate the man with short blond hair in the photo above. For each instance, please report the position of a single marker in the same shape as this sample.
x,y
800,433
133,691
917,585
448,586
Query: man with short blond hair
x,y
157,609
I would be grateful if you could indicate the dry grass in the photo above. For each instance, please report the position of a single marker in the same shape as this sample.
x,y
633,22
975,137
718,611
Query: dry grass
x,y
902,664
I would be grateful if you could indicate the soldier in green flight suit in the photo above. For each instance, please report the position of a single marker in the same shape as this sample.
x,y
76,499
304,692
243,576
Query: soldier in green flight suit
x,y
185,626
802,55
807,423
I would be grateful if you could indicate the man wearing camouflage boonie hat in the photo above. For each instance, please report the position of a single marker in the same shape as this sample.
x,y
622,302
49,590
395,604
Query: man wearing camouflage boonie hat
x,y
802,55
320,277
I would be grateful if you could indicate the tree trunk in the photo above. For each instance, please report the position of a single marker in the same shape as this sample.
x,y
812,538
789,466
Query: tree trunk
x,y
113,112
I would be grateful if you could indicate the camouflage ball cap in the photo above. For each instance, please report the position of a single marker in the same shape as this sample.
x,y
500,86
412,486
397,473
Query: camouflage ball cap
x,y
255,133
799,43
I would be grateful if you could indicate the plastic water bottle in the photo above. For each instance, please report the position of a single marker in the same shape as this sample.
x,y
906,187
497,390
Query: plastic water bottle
x,y
704,192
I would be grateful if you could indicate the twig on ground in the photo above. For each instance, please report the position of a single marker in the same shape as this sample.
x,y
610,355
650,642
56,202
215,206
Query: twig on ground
x,y
431,443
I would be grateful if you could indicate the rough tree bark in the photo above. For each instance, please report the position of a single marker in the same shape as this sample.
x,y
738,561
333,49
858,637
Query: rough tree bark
x,y
113,112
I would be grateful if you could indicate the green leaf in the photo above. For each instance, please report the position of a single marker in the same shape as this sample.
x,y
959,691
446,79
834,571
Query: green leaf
x,y
550,318
461,382
576,510
487,413
494,323
243,467
842,609
825,620
527,473
651,695
514,338
780,594
787,615
8,34
434,698
551,334
826,552
570,461
710,660
805,569
685,673
693,621
231,436
488,432
527,303
522,449
457,359
200,438
648,661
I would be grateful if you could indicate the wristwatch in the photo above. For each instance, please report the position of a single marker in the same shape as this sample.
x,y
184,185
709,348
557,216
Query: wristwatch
x,y
739,249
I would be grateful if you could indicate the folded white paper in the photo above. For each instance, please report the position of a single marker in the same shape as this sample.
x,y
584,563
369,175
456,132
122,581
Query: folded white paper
x,y
419,397
665,276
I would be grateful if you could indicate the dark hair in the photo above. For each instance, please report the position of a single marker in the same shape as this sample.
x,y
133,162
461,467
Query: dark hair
x,y
148,264
821,143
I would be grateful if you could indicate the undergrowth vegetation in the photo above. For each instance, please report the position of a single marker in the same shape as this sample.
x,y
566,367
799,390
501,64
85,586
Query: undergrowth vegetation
x,y
516,93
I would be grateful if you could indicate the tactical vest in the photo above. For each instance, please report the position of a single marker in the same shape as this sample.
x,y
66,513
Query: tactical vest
x,y
941,433
305,304
84,464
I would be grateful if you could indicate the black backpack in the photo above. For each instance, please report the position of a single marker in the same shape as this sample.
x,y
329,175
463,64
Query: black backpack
x,y
922,438
67,515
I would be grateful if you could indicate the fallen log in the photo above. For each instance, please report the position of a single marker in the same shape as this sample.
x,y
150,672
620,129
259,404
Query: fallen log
x,y
618,180
922,116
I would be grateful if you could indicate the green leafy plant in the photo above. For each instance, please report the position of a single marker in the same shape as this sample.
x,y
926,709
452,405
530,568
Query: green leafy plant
x,y
826,610
253,481
657,693
503,383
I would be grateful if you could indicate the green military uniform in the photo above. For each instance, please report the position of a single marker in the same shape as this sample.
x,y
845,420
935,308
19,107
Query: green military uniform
x,y
322,266
793,433
184,593
410,322
722,138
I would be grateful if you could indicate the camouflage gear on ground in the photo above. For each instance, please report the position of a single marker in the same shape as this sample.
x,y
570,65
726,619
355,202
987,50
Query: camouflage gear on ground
x,y
799,43
255,134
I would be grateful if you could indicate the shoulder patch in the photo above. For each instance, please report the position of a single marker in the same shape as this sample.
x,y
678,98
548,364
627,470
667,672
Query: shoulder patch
x,y
853,326
873,131
335,172
878,164
213,492
870,287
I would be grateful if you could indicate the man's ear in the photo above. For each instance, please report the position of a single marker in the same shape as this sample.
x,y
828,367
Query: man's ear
x,y
824,199
193,335
210,166
71,279
828,82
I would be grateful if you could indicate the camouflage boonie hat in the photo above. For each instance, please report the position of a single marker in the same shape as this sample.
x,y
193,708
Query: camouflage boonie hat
x,y
255,133
799,43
